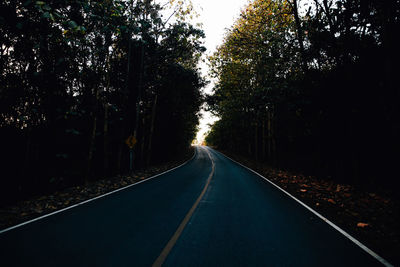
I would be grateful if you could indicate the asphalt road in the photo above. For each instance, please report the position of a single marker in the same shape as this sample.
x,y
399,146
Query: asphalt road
x,y
209,212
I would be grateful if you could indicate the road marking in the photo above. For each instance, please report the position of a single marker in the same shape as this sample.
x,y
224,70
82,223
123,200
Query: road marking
x,y
167,249
340,230
89,200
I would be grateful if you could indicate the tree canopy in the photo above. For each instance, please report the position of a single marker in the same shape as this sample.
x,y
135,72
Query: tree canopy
x,y
79,77
310,85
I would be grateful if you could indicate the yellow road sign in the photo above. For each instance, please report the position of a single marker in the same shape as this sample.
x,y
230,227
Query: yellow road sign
x,y
131,141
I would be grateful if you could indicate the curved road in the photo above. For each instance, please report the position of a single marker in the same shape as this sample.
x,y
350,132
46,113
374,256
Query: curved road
x,y
208,212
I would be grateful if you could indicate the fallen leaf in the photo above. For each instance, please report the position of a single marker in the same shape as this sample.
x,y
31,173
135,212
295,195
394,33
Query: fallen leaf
x,y
331,201
362,225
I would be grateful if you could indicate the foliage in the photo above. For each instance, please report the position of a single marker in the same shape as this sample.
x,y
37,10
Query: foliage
x,y
311,85
79,77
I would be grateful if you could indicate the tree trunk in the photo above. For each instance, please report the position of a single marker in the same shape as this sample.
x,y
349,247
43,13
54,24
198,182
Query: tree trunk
x,y
153,117
273,151
138,100
269,136
105,125
27,160
142,142
256,141
263,140
121,144
105,140
300,36
92,140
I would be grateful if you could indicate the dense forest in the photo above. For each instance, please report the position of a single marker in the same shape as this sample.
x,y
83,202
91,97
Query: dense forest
x,y
79,77
312,86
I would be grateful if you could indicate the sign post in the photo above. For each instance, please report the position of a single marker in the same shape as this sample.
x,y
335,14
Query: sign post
x,y
131,141
130,160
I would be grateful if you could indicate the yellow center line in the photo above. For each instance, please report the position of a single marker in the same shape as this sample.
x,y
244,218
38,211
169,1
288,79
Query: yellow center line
x,y
167,249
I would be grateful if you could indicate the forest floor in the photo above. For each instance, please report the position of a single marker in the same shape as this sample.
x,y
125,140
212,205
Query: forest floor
x,y
370,217
41,205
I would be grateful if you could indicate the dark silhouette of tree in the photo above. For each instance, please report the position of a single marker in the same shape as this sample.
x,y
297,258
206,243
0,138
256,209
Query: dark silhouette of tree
x,y
79,77
312,86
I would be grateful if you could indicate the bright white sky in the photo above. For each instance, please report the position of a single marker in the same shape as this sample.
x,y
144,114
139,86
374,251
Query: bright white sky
x,y
216,16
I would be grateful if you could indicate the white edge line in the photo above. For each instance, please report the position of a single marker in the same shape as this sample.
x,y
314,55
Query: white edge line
x,y
340,230
89,200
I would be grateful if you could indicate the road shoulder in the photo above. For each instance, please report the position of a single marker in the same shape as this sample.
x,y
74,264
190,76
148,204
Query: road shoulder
x,y
369,217
39,206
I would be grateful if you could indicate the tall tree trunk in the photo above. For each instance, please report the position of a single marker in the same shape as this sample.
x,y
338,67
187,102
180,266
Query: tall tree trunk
x,y
300,36
121,145
138,101
153,118
105,140
92,139
121,142
142,142
256,141
391,55
27,159
269,136
263,144
273,151
105,125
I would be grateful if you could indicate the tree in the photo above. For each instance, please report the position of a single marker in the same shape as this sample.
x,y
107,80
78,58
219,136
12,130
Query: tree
x,y
309,87
78,77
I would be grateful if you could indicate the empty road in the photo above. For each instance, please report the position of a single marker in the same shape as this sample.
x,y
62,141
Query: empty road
x,y
208,212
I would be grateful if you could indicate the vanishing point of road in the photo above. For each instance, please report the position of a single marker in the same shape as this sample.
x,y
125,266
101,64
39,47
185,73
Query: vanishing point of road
x,y
208,212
